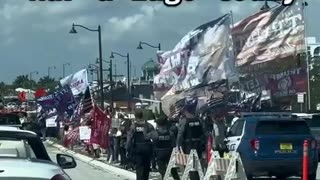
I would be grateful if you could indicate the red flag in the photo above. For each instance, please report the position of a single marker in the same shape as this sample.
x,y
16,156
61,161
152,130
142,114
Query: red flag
x,y
100,128
40,92
22,96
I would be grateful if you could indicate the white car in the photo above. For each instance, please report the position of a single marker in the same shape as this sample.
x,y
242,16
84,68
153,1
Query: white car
x,y
23,156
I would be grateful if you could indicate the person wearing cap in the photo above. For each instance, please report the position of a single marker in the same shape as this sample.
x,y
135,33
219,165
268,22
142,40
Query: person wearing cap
x,y
191,134
139,144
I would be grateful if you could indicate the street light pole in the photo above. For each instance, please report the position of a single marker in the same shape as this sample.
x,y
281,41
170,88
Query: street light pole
x,y
64,70
128,76
128,82
152,46
49,68
73,31
94,67
101,70
110,80
111,84
30,78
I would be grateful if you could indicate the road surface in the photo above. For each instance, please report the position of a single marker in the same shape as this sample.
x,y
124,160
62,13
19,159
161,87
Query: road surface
x,y
85,172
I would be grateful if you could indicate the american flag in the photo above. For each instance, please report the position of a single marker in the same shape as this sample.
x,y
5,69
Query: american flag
x,y
215,101
85,106
87,102
176,108
72,137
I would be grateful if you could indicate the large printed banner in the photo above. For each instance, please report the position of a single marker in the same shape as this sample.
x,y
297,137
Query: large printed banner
x,y
62,100
78,82
286,83
202,57
269,35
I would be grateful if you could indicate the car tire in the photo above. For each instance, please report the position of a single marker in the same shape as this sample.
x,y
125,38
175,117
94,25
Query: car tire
x,y
312,176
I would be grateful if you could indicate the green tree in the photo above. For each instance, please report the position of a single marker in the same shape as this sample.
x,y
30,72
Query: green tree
x,y
22,81
47,83
314,81
3,89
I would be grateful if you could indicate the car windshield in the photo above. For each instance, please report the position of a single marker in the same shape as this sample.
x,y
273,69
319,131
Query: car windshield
x,y
315,122
282,127
15,148
9,119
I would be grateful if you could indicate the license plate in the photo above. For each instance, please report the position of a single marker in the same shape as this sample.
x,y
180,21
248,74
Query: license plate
x,y
285,146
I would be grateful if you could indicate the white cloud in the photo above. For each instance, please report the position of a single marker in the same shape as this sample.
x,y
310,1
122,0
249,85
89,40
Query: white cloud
x,y
238,8
138,21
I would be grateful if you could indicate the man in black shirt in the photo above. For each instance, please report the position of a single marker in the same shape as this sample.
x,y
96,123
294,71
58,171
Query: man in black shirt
x,y
191,134
140,146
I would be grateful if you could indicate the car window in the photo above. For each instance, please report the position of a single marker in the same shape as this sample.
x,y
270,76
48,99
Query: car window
x,y
282,127
9,119
233,129
13,148
239,128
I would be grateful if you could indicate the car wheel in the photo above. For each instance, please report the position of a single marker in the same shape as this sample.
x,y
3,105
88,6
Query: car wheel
x,y
312,176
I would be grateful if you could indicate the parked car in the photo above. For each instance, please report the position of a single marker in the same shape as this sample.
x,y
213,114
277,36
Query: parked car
x,y
20,149
10,119
271,144
313,121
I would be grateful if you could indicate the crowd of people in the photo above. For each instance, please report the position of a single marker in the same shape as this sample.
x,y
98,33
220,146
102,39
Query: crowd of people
x,y
140,146
143,147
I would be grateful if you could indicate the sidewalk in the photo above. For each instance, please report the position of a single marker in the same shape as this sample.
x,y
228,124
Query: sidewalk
x,y
100,163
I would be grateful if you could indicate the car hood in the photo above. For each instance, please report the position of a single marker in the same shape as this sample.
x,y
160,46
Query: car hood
x,y
23,168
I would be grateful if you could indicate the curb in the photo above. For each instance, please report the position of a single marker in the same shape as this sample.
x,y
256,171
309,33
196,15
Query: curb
x,y
95,163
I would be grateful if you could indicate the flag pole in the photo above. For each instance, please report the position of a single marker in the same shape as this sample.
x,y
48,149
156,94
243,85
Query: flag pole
x,y
306,51
234,55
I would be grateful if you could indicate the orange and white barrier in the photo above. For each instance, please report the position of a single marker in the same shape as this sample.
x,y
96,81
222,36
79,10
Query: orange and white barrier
x,y
229,167
181,158
193,166
177,159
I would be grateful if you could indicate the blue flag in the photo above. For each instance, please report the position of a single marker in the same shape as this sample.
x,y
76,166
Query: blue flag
x,y
62,100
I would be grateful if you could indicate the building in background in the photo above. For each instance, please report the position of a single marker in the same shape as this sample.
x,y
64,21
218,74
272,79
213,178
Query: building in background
x,y
313,46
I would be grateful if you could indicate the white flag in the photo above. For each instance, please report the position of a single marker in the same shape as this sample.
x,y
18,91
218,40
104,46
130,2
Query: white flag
x,y
78,82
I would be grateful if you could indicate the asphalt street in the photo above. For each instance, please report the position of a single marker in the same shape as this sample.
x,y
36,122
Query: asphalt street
x,y
84,171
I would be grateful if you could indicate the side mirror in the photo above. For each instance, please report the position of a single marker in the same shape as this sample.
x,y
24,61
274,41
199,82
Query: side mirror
x,y
66,161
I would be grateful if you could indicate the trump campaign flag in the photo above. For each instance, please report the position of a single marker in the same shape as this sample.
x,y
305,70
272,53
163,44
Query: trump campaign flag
x,y
203,57
269,35
62,100
100,128
78,81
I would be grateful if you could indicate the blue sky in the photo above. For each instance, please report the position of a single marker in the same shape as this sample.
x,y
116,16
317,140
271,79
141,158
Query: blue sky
x,y
34,35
